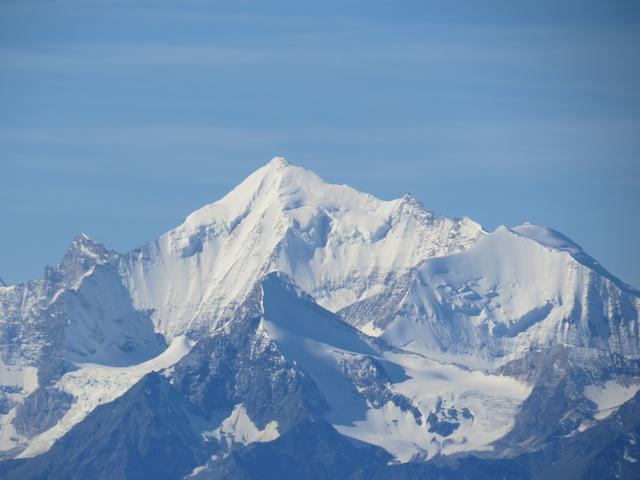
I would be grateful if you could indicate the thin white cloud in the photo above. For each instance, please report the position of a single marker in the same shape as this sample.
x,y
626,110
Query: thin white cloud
x,y
73,56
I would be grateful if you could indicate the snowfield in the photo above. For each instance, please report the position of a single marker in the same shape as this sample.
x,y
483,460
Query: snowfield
x,y
610,396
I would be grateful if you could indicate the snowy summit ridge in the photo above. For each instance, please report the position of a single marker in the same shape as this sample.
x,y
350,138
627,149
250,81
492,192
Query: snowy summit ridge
x,y
338,244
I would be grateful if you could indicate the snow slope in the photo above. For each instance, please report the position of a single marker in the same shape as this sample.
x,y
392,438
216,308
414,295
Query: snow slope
x,y
338,244
80,312
92,385
239,428
411,406
507,295
609,396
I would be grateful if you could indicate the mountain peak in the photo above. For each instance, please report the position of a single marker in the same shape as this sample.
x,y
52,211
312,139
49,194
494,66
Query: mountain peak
x,y
284,187
82,239
279,163
83,245
337,243
82,255
409,199
552,239
547,237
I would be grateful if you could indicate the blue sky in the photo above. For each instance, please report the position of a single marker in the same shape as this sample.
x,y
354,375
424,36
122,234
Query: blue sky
x,y
118,118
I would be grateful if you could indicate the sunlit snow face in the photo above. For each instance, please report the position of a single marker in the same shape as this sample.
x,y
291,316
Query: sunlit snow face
x,y
338,244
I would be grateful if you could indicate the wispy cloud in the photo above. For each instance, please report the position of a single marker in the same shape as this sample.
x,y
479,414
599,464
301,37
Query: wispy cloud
x,y
72,56
580,63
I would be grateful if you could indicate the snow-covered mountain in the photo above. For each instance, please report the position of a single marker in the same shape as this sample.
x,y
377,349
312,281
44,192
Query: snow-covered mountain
x,y
300,329
515,291
338,244
80,312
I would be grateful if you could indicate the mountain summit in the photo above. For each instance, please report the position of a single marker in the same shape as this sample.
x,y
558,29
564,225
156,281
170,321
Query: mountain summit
x,y
299,329
338,244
